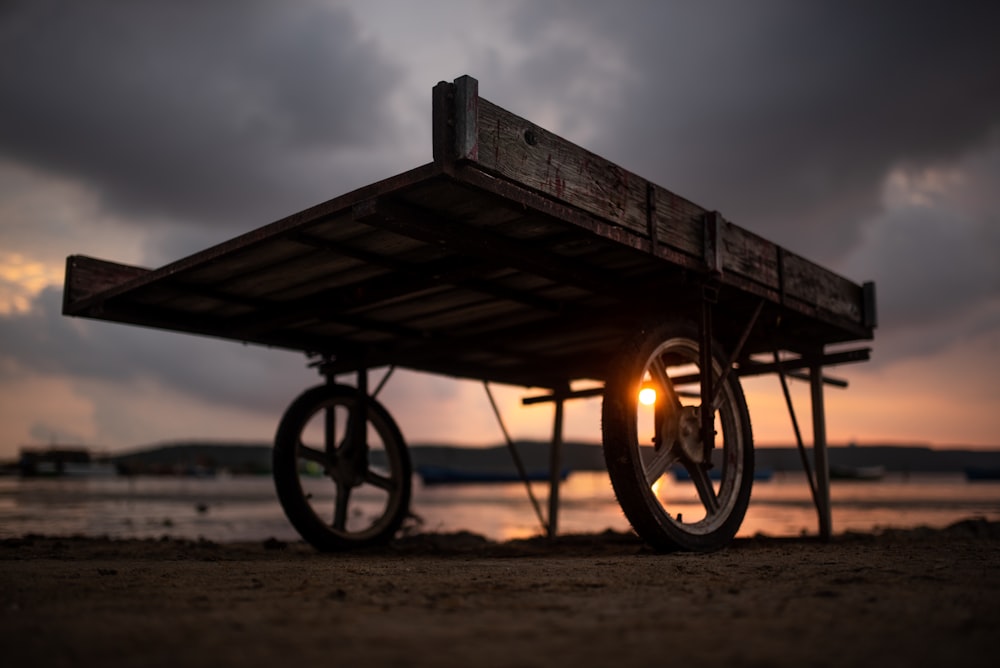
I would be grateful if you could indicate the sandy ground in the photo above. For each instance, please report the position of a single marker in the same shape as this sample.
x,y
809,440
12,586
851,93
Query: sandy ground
x,y
901,598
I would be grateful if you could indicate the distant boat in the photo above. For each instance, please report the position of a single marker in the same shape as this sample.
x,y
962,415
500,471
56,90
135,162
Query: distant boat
x,y
62,462
446,475
761,474
982,473
869,473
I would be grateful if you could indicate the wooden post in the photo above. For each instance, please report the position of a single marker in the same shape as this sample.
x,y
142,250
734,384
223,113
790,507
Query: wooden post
x,y
712,224
443,124
555,466
820,457
466,118
455,121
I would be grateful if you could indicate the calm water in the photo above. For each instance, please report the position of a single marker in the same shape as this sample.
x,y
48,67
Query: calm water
x,y
227,509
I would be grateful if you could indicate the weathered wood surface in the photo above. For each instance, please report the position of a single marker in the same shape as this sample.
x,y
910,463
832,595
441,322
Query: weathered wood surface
x,y
515,257
86,277
516,149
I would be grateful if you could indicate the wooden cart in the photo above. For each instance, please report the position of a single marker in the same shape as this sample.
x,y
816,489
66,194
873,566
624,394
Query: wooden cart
x,y
515,257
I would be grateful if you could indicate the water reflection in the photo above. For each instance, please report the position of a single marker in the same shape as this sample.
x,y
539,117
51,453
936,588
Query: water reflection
x,y
246,508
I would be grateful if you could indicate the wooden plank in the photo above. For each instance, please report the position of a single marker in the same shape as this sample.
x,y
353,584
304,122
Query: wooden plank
x,y
869,316
749,368
522,152
476,242
519,151
812,284
264,235
679,222
525,153
87,276
749,255
609,234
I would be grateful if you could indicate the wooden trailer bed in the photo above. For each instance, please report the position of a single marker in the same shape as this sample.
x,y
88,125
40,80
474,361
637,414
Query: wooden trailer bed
x,y
515,256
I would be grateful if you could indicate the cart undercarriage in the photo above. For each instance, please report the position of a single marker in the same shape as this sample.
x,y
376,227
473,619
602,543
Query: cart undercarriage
x,y
520,258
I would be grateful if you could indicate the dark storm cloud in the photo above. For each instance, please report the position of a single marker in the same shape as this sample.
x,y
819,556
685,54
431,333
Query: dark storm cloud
x,y
220,373
784,115
787,116
961,274
216,112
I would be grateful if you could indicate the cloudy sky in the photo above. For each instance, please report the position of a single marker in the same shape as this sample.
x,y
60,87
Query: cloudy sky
x,y
865,136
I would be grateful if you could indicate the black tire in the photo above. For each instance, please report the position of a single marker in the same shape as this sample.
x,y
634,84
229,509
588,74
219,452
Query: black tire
x,y
671,514
335,501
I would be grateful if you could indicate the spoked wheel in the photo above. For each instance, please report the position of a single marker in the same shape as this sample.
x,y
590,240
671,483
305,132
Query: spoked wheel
x,y
652,430
341,469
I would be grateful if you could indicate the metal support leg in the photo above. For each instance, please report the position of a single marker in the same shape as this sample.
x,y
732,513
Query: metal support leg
x,y
706,374
381,383
799,442
517,459
555,467
820,458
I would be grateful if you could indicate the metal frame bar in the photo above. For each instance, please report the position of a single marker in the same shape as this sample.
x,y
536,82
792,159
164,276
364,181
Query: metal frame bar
x,y
518,462
819,485
705,373
782,377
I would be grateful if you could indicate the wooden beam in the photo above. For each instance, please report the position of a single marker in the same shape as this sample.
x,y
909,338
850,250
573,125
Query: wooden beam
x,y
805,362
713,234
457,271
482,243
821,460
87,277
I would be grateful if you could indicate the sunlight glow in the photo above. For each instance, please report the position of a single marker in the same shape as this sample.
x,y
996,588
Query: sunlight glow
x,y
21,279
920,188
647,396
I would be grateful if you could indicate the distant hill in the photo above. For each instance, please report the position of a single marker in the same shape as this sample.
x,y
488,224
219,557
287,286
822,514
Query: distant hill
x,y
255,458
197,456
905,459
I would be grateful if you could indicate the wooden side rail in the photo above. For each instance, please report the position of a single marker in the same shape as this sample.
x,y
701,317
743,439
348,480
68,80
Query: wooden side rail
x,y
471,130
87,277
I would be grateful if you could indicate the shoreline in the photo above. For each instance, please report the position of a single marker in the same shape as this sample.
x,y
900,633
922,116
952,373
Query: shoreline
x,y
897,597
466,542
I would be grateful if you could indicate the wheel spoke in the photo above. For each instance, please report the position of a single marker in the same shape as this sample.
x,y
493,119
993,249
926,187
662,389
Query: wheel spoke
x,y
668,407
313,455
706,491
378,480
660,463
659,373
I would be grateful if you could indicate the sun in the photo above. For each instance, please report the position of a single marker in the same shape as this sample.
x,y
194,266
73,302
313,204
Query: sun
x,y
647,396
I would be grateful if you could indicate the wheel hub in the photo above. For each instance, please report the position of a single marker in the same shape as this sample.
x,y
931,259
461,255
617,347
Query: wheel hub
x,y
349,467
682,432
